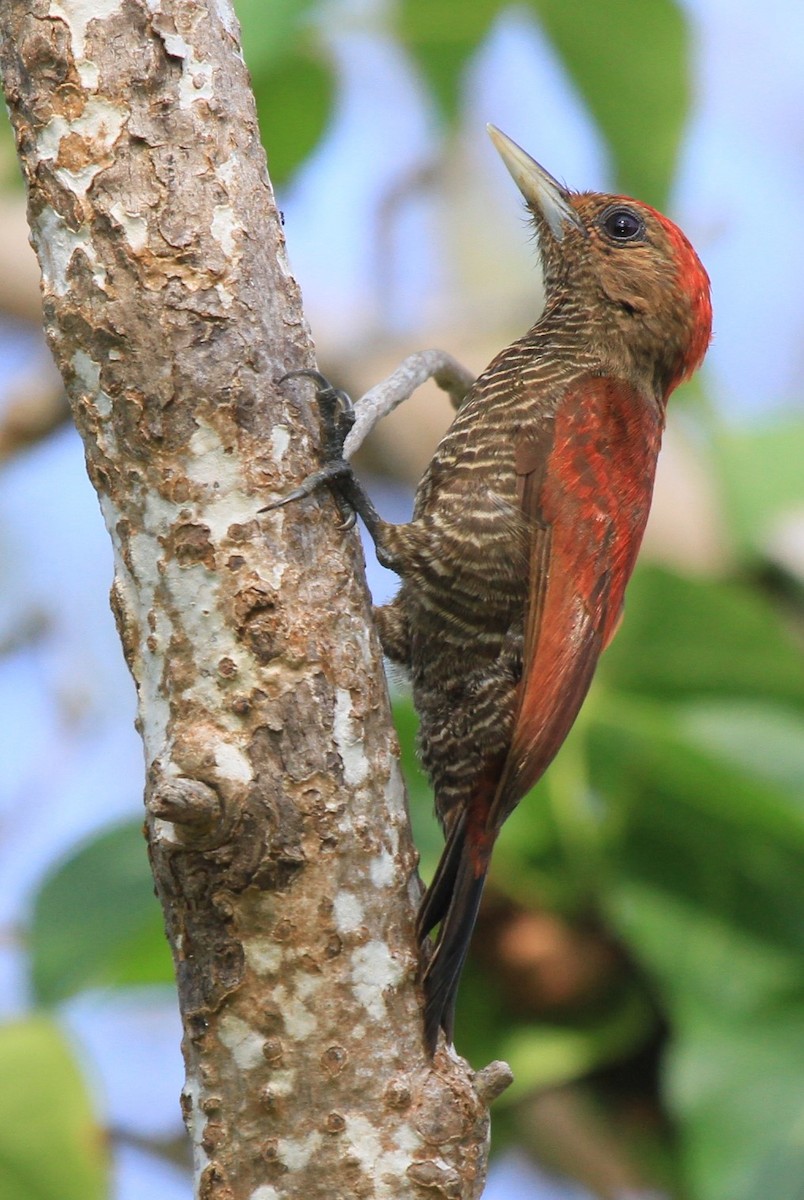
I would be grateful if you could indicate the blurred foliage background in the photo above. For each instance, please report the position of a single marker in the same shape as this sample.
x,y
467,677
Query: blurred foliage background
x,y
639,956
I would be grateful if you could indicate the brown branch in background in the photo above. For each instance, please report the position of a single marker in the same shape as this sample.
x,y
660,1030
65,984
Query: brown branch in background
x,y
276,814
37,404
20,296
36,407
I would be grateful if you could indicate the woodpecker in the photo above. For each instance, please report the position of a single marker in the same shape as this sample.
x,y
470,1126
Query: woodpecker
x,y
526,526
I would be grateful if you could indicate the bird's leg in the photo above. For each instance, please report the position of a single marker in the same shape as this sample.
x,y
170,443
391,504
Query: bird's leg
x,y
337,419
344,427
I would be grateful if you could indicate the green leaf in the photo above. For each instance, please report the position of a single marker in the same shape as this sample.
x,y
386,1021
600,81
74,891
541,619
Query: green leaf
x,y
50,1145
547,1055
442,37
10,174
629,60
548,849
294,103
760,740
426,830
96,921
689,637
734,1069
707,891
781,1171
271,29
293,83
688,807
760,471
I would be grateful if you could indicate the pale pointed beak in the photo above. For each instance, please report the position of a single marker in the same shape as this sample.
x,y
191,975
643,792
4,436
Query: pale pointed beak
x,y
544,194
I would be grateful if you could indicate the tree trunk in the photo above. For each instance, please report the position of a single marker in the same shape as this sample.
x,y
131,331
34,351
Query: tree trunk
x,y
276,822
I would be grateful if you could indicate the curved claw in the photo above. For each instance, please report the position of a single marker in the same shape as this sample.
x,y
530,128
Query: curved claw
x,y
326,393
337,418
296,494
321,381
349,522
326,474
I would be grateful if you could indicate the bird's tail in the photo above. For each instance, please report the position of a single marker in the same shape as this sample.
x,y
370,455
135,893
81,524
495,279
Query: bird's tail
x,y
452,899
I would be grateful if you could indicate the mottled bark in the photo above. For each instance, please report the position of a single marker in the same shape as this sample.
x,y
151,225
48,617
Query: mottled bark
x,y
276,813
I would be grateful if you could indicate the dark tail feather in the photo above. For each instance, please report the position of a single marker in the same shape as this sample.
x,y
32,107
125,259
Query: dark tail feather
x,y
453,898
435,900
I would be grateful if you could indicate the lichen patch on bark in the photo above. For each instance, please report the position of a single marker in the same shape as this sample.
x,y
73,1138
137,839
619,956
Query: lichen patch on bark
x,y
276,815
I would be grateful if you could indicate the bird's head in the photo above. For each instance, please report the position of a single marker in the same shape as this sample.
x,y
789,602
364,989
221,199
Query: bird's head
x,y
624,275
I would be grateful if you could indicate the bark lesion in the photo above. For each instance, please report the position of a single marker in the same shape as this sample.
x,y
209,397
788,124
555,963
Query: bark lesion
x,y
272,788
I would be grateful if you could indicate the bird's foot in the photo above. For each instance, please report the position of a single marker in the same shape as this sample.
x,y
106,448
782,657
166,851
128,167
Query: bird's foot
x,y
337,418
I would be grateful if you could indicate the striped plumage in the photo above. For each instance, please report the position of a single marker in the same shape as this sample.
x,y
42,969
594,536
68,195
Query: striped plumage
x,y
464,565
527,524
526,527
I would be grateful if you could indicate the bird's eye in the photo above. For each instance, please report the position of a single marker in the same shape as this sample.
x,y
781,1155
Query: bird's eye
x,y
623,224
